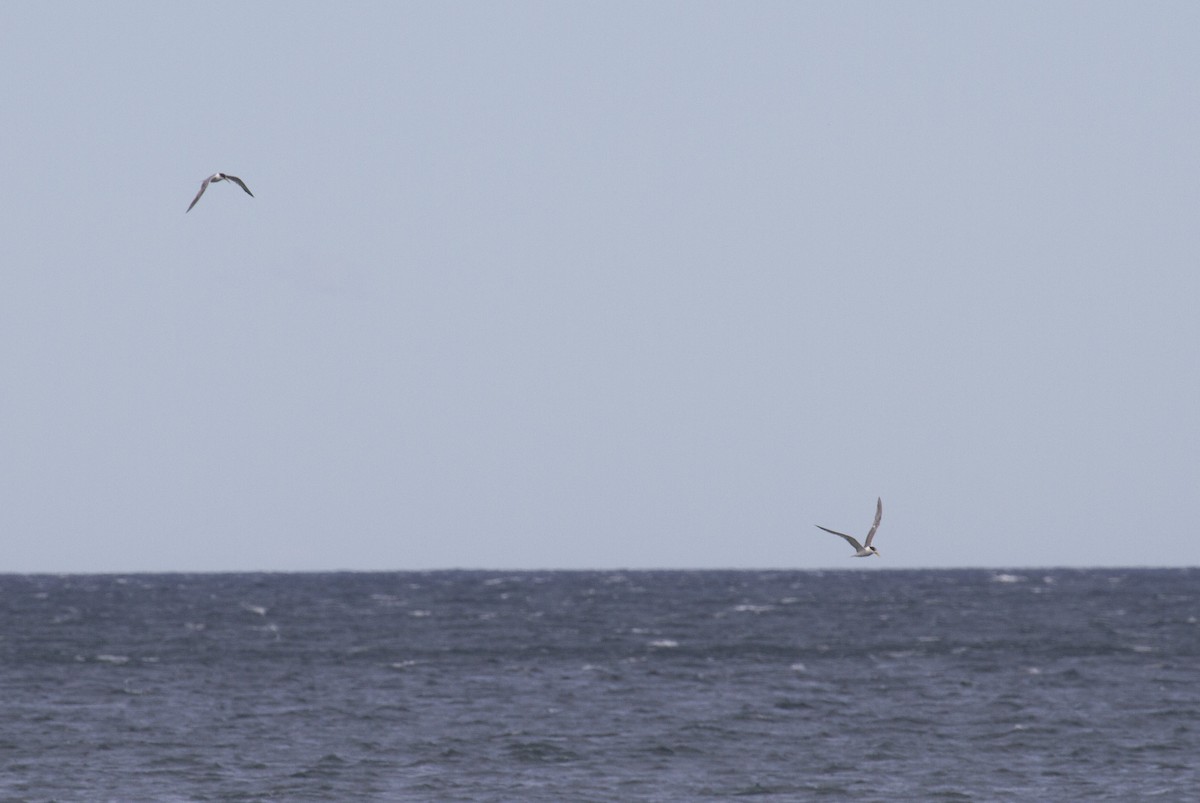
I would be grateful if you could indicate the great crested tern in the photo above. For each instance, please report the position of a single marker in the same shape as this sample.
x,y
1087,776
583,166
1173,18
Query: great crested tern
x,y
863,550
214,178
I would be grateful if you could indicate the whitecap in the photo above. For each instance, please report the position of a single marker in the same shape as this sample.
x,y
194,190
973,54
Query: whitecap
x,y
1007,578
753,608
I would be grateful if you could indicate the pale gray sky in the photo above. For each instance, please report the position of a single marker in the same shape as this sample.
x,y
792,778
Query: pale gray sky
x,y
596,285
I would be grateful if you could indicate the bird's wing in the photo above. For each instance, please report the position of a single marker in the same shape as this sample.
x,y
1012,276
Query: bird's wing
x,y
240,183
878,516
203,186
853,541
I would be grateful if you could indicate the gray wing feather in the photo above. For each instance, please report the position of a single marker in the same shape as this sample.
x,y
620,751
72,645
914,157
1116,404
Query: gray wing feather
x,y
203,186
878,516
850,538
240,183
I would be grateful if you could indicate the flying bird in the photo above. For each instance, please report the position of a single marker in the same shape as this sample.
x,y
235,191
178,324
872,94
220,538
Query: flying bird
x,y
213,179
863,550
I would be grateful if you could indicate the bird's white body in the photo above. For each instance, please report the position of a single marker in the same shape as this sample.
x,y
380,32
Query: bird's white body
x,y
863,550
213,179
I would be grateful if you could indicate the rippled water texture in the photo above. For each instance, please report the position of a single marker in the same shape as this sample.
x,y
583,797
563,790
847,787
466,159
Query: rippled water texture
x,y
877,685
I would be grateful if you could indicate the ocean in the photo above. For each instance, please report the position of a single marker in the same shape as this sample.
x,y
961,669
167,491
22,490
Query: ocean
x,y
946,685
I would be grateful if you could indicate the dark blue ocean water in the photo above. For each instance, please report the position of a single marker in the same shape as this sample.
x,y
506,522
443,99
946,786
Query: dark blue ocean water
x,y
576,686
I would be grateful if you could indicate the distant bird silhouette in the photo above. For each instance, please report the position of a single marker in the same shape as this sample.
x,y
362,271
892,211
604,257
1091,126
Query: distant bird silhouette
x,y
213,179
863,550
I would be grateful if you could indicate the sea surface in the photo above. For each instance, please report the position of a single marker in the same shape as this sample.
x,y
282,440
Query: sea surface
x,y
1044,685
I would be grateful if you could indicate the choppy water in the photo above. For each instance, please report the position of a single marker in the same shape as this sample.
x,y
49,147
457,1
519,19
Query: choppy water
x,y
555,686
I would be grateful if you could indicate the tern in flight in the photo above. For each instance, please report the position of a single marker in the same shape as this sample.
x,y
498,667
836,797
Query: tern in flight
x,y
213,179
863,550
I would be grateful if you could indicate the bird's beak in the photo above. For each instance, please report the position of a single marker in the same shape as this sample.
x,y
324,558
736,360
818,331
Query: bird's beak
x,y
876,553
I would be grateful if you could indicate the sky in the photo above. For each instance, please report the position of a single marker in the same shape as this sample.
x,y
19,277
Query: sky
x,y
598,285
